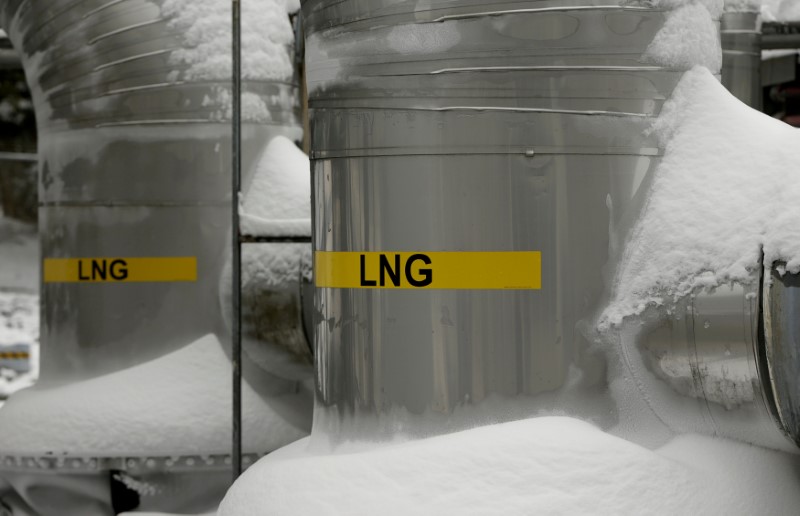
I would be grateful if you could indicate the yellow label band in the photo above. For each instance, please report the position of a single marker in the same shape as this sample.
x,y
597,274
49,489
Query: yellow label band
x,y
13,355
119,270
442,270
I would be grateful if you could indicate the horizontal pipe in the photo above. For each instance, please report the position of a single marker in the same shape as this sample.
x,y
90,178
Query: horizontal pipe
x,y
780,41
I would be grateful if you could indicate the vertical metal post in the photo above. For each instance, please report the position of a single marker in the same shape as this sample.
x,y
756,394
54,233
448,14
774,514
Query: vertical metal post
x,y
236,337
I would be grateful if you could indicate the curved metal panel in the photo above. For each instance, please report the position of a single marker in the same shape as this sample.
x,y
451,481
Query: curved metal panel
x,y
134,160
475,126
781,307
134,139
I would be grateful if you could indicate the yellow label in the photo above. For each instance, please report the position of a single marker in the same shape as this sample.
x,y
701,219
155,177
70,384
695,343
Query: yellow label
x,y
119,270
443,270
13,355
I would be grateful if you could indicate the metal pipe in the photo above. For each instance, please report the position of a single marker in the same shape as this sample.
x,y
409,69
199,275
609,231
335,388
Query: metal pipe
x,y
522,136
236,260
510,132
136,146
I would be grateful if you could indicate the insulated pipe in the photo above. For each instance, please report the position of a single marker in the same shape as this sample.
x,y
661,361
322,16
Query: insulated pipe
x,y
507,129
133,106
134,160
460,128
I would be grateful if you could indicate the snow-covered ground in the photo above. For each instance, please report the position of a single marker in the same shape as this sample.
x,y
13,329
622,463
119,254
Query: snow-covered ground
x,y
544,466
177,404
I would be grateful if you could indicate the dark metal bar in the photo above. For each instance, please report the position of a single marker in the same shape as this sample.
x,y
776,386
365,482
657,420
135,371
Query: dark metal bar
x,y
236,331
259,239
780,41
780,36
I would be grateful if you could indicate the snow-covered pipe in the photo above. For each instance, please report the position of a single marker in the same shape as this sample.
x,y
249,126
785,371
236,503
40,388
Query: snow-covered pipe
x,y
133,104
443,132
132,101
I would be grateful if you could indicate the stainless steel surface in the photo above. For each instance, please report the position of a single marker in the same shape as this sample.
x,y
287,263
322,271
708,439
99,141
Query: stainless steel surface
x,y
701,369
475,127
134,156
741,56
781,305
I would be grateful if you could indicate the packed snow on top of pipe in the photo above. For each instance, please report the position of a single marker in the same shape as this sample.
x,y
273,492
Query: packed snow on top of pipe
x,y
278,201
780,10
205,54
727,189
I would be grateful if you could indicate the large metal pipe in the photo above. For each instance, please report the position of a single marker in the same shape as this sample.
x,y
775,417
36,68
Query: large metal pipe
x,y
134,162
462,128
133,107
473,127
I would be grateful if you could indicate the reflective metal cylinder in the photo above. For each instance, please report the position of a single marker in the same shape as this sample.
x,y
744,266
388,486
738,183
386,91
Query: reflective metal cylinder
x,y
134,143
781,347
464,127
741,56
703,369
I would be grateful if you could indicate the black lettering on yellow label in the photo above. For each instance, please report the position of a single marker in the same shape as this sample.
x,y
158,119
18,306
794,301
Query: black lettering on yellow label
x,y
121,270
439,269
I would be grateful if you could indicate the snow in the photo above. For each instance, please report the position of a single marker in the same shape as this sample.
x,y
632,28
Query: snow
x,y
738,6
776,54
780,10
178,404
206,29
725,190
278,201
689,37
548,466
771,10
273,336
205,54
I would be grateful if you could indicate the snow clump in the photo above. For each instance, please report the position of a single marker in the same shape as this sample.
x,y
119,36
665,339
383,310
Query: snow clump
x,y
689,37
726,189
